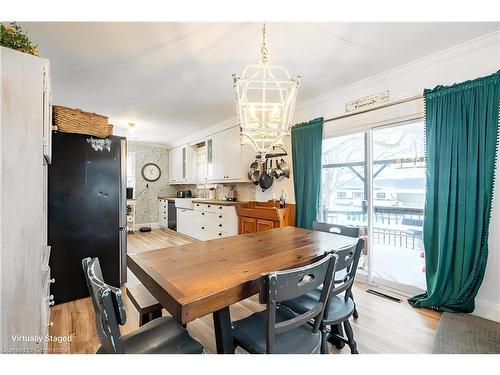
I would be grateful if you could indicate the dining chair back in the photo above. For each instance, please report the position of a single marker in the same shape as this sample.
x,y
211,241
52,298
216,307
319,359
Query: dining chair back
x,y
349,231
108,306
348,259
276,287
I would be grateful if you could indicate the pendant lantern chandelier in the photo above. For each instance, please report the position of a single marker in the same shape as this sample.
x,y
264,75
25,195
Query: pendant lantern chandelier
x,y
265,100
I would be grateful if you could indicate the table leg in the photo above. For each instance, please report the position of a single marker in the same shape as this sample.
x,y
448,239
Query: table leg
x,y
223,334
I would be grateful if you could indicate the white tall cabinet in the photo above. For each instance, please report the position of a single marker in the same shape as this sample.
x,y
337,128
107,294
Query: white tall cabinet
x,y
25,148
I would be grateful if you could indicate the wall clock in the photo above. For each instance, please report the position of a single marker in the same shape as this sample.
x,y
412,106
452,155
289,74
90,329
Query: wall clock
x,y
151,172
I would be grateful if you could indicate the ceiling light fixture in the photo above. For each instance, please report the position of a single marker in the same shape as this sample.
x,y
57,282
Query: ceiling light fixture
x,y
265,101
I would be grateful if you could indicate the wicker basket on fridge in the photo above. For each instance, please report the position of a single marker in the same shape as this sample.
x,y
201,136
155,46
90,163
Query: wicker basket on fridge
x,y
70,120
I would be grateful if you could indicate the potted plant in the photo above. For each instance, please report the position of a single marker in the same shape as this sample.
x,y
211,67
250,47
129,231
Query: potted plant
x,y
13,37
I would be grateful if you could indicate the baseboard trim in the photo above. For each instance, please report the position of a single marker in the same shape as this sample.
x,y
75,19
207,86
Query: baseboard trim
x,y
487,310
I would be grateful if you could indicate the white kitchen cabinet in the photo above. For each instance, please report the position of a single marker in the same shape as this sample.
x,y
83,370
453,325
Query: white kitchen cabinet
x,y
214,221
220,159
210,174
227,155
181,165
175,165
163,213
184,221
227,159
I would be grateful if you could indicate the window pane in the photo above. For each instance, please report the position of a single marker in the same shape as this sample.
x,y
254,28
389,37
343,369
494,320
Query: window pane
x,y
399,196
349,148
343,198
399,142
343,189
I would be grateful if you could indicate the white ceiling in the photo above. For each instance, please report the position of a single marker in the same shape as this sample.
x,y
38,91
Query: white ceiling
x,y
173,79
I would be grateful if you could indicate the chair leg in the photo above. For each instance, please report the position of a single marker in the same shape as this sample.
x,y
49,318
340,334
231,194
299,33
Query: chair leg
x,y
324,340
350,337
355,314
336,329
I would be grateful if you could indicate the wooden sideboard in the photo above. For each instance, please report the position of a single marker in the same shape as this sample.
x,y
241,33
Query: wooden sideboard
x,y
262,216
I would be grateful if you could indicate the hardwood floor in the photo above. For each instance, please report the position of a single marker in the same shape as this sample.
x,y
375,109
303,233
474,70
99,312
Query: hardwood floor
x,y
383,326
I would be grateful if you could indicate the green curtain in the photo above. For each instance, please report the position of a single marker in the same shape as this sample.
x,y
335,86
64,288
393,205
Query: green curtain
x,y
307,138
461,129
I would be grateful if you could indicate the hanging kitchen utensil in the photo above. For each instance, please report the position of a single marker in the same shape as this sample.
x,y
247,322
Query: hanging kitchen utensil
x,y
253,167
256,174
284,167
278,173
266,180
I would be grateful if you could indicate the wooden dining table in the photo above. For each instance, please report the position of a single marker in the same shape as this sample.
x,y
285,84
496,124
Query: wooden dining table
x,y
193,280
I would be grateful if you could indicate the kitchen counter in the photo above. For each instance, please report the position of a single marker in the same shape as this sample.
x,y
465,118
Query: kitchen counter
x,y
219,202
166,198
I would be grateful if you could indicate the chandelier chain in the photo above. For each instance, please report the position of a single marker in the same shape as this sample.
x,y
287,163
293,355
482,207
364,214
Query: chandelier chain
x,y
263,48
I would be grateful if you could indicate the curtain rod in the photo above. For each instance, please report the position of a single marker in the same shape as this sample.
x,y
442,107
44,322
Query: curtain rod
x,y
400,101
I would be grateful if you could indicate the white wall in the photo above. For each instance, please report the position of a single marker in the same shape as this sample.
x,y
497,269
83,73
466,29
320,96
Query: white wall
x,y
476,58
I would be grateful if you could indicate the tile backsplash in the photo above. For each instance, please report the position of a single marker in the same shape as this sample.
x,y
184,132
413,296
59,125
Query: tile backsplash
x,y
246,190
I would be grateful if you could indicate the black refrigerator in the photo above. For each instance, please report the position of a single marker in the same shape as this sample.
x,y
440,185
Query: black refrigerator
x,y
87,211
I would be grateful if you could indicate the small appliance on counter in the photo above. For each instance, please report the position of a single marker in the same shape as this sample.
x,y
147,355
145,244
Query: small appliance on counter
x,y
211,193
232,194
184,194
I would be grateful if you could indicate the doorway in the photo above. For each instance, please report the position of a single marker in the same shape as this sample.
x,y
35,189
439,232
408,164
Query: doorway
x,y
375,179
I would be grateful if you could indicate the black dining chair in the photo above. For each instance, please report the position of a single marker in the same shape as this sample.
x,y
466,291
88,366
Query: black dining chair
x,y
340,306
278,329
349,231
344,230
160,336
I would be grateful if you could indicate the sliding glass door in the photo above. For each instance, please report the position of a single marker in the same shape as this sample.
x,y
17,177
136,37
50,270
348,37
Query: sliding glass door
x,y
388,204
344,193
398,205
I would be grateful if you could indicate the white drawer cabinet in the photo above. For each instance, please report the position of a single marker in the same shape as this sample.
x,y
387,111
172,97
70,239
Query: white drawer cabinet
x,y
163,213
214,221
214,208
